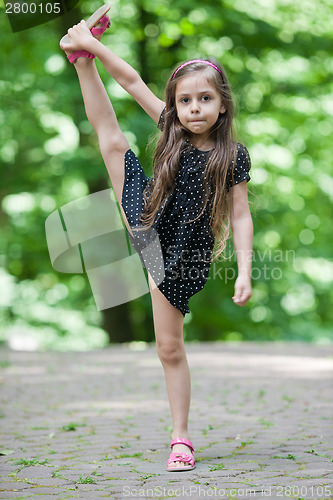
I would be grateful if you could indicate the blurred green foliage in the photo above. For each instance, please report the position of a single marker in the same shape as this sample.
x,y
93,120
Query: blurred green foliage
x,y
278,55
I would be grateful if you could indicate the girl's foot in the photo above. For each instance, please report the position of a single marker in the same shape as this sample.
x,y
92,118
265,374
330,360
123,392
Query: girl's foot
x,y
182,449
97,32
84,54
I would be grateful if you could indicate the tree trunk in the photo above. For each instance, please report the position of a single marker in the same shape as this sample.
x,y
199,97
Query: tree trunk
x,y
116,320
117,323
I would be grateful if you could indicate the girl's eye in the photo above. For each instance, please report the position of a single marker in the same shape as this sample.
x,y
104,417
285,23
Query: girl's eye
x,y
186,100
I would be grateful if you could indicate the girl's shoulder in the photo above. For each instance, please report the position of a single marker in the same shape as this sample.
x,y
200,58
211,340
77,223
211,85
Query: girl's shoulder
x,y
242,156
239,169
161,121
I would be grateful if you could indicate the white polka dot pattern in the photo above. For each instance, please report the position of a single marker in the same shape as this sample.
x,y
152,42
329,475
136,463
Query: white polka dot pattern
x,y
186,245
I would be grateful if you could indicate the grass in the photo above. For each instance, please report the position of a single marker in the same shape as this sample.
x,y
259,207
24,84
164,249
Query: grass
x,y
56,473
144,478
261,393
6,451
265,422
216,467
314,452
126,455
288,398
208,428
288,457
244,443
86,480
72,426
95,473
30,463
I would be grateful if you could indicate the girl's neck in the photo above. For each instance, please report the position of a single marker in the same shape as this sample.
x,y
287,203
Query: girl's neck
x,y
203,144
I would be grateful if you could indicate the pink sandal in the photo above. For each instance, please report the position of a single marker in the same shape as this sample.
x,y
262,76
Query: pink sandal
x,y
105,22
181,457
98,17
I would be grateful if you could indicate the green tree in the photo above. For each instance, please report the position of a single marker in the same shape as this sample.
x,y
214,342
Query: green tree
x,y
279,61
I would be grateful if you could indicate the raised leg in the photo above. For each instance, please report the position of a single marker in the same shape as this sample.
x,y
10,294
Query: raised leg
x,y
168,323
100,113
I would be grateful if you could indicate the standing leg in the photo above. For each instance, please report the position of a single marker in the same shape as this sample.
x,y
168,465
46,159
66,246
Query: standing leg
x,y
168,323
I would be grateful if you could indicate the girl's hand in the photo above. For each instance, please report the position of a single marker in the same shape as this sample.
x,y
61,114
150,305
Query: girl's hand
x,y
81,38
243,290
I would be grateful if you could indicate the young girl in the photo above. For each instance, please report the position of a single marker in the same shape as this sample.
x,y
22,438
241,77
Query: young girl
x,y
198,174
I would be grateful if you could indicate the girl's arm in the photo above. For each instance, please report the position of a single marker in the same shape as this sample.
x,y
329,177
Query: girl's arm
x,y
121,71
130,80
242,231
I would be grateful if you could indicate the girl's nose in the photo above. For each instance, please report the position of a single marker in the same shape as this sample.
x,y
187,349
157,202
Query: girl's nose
x,y
194,107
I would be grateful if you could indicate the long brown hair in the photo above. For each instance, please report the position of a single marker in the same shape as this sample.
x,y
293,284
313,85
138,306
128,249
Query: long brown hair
x,y
172,143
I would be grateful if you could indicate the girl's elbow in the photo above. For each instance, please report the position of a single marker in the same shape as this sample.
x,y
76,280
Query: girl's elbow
x,y
237,215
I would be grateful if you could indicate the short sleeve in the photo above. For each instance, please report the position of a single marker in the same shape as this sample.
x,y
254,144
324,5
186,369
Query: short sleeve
x,y
241,171
161,121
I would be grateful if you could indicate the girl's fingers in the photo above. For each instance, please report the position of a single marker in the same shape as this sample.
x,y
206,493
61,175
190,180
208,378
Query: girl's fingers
x,y
76,26
79,29
241,297
236,298
77,34
238,293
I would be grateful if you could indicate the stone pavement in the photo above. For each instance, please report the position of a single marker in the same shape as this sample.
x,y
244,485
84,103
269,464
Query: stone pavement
x,y
97,424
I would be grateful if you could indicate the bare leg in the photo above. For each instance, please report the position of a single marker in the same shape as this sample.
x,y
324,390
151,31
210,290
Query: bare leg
x,y
168,323
100,113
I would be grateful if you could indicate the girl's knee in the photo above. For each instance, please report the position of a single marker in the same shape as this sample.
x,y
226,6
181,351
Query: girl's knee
x,y
170,352
113,143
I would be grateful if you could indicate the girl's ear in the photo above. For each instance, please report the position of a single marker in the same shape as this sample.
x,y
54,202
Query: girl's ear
x,y
223,109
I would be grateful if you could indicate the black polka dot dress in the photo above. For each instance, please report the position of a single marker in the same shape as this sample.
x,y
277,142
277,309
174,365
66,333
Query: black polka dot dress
x,y
186,244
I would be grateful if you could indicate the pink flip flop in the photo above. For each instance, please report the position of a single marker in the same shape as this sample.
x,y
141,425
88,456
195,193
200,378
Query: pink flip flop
x,y
181,457
98,17
105,21
92,20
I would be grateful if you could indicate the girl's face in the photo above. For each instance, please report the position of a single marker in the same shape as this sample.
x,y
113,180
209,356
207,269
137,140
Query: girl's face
x,y
198,104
